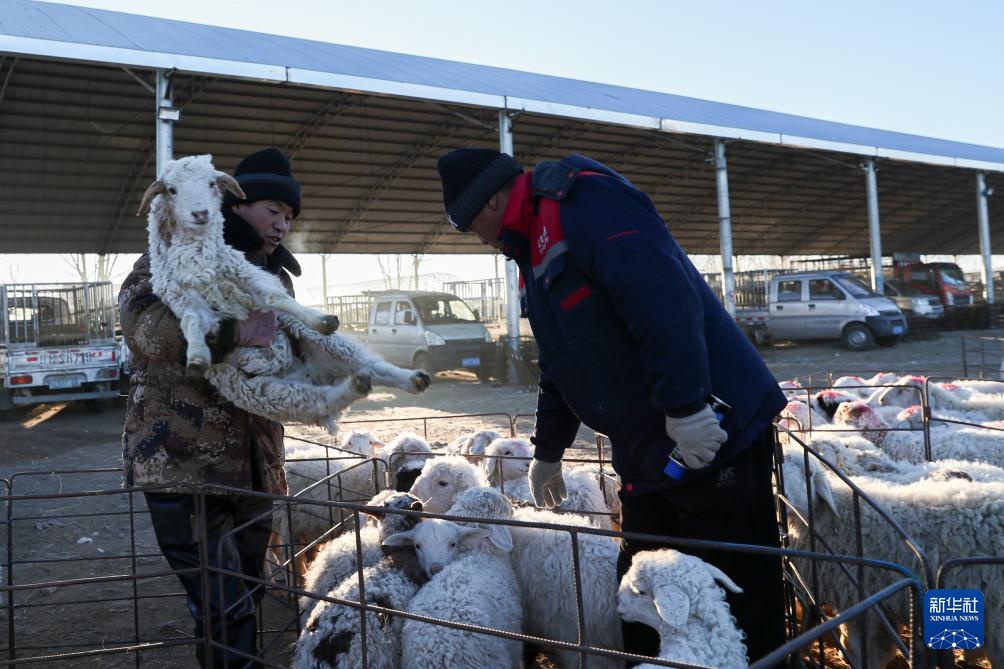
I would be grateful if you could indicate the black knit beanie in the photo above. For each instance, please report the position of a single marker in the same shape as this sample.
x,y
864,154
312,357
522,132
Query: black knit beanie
x,y
470,178
266,175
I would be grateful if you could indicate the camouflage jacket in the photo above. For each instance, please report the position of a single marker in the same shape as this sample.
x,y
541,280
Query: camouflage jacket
x,y
178,428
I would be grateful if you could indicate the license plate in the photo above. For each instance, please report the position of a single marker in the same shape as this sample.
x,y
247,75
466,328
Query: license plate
x,y
66,381
470,362
897,329
63,358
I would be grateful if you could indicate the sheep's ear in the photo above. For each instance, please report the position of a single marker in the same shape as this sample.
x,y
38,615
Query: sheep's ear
x,y
499,536
724,580
501,539
226,182
822,491
152,191
406,538
490,467
672,605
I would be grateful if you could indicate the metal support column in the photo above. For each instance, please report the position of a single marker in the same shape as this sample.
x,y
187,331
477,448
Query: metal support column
x,y
511,271
725,228
986,252
874,229
166,114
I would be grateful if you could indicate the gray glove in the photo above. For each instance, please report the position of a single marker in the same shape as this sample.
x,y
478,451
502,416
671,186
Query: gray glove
x,y
546,483
698,437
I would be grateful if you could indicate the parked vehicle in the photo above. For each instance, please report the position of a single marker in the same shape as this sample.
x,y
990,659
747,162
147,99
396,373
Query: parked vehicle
x,y
58,343
817,305
911,301
944,280
421,330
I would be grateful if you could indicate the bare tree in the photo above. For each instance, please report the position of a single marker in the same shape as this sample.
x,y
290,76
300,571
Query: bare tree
x,y
90,267
391,267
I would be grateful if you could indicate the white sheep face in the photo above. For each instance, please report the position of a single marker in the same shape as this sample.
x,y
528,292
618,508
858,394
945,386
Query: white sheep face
x,y
503,455
407,448
191,188
437,542
905,393
362,442
442,479
658,588
861,417
476,445
635,602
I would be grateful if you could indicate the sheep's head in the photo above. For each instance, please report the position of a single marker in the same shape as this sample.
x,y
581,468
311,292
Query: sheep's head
x,y
405,449
796,486
795,416
663,588
828,400
474,446
438,542
191,191
862,417
361,442
391,523
481,503
904,393
912,416
442,479
508,457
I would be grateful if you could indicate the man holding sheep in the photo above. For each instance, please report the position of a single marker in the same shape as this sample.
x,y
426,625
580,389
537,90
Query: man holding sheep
x,y
180,432
635,345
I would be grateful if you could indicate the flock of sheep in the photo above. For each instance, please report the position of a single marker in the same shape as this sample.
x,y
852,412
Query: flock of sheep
x,y
509,568
872,431
519,578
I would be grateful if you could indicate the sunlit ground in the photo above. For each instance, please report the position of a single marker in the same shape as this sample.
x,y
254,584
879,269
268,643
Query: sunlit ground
x,y
42,413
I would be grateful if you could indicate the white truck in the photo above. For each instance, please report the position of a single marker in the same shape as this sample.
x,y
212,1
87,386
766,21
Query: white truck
x,y
418,329
58,343
825,304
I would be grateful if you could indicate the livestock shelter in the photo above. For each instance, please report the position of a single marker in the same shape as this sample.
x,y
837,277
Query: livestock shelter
x,y
93,101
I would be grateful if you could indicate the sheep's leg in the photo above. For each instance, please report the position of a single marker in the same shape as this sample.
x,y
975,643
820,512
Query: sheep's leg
x,y
274,296
197,320
336,353
316,320
283,400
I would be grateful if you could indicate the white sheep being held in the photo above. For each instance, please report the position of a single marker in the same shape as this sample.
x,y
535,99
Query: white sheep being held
x,y
202,280
194,271
681,597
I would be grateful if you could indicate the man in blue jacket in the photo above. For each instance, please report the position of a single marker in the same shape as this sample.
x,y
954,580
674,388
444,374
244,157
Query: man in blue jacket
x,y
634,344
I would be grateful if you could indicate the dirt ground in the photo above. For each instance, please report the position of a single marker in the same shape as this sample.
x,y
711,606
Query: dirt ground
x,y
76,540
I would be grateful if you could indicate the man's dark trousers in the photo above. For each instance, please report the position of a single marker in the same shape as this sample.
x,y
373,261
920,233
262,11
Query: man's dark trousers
x,y
176,525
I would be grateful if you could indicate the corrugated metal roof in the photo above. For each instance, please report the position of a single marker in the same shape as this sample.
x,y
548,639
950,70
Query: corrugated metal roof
x,y
69,31
77,144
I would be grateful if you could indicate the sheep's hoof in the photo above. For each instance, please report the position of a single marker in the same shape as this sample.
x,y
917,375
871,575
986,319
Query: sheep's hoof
x,y
420,380
197,367
329,324
362,384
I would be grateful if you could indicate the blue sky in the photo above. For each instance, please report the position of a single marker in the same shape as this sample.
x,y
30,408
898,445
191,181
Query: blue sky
x,y
931,68
923,67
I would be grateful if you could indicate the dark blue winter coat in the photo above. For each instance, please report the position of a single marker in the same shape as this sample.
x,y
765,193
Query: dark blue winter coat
x,y
627,327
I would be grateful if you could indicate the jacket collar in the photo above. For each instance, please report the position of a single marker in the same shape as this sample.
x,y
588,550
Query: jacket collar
x,y
239,234
517,220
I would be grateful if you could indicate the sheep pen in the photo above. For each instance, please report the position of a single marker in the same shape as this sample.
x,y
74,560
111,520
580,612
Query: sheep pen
x,y
47,528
